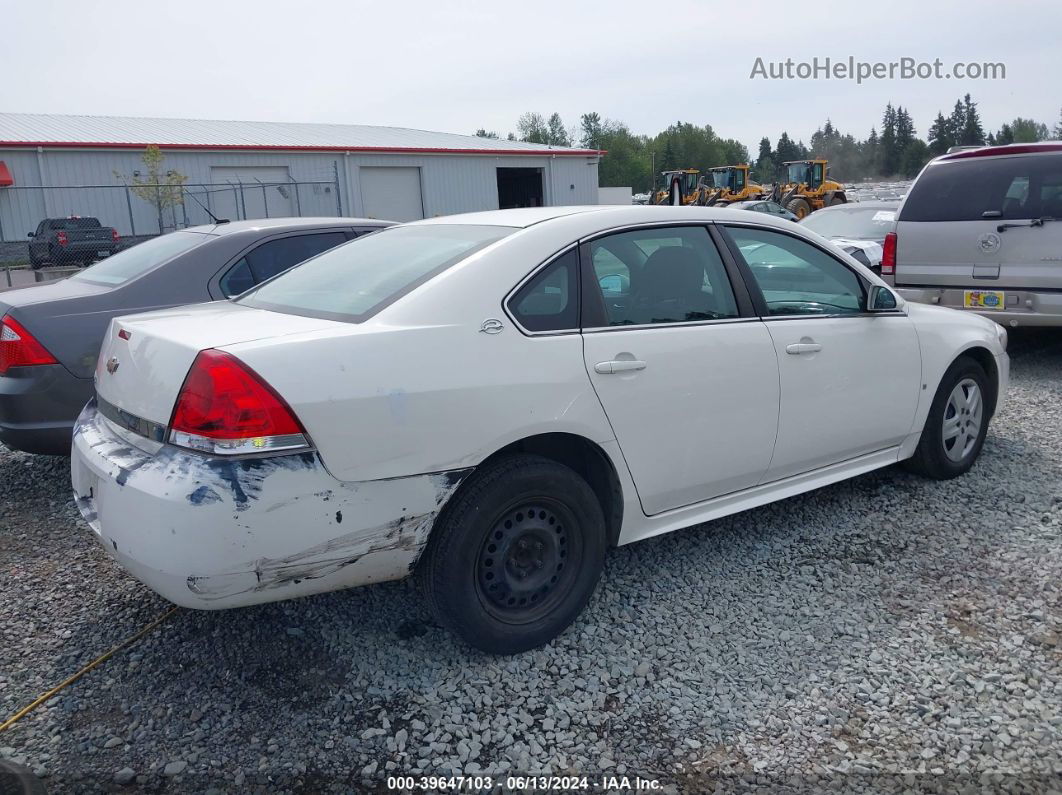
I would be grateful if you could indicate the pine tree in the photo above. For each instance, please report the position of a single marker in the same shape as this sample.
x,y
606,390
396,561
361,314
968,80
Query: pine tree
x,y
556,133
765,162
941,137
973,134
591,130
1058,127
890,153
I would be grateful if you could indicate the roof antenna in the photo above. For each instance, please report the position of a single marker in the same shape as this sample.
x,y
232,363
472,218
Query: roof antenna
x,y
213,217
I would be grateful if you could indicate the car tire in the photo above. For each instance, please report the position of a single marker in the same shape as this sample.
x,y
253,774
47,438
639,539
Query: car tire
x,y
798,207
34,262
515,555
955,430
835,200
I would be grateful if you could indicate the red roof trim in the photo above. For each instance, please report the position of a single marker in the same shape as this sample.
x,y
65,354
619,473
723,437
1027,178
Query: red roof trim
x,y
276,148
1008,149
5,175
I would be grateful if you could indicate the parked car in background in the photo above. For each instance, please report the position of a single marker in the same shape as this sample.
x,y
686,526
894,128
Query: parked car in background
x,y
771,208
482,399
50,334
77,239
858,228
981,230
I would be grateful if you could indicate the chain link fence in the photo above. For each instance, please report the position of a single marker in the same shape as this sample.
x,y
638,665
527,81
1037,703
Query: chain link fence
x,y
137,212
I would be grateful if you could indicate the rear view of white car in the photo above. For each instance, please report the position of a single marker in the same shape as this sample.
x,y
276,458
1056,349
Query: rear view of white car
x,y
981,230
493,400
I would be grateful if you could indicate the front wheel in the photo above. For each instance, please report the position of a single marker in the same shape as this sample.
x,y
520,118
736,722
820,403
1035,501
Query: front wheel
x,y
516,555
957,424
798,207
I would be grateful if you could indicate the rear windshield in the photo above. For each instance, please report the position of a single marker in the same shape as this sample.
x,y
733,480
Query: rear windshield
x,y
132,262
74,223
858,223
358,279
1023,186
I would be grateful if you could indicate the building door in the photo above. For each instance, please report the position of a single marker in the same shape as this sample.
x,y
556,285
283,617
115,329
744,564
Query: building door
x,y
247,192
520,187
391,193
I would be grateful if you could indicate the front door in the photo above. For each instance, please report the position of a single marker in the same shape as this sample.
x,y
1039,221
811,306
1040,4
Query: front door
x,y
850,380
689,384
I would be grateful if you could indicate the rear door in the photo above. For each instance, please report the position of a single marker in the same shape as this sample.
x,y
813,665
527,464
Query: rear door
x,y
849,380
966,224
685,372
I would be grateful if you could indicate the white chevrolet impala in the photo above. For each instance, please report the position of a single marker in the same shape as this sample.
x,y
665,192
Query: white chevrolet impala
x,y
492,400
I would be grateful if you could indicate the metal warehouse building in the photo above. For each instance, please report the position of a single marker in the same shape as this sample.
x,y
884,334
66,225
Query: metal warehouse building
x,y
54,166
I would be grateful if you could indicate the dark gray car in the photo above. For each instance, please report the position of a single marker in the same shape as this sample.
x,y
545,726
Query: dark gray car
x,y
50,334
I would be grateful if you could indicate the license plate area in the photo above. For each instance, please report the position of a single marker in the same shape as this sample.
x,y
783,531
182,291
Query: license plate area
x,y
984,299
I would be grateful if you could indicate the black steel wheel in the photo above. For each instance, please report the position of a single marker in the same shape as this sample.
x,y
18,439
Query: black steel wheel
x,y
515,555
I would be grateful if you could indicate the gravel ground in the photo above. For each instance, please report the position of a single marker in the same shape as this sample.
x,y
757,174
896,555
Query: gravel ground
x,y
883,633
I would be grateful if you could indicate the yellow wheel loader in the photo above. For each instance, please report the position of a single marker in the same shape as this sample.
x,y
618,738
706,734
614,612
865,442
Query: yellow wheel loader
x,y
808,187
681,187
727,184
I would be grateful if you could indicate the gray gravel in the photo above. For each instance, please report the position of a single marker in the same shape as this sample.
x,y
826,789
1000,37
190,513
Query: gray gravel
x,y
881,634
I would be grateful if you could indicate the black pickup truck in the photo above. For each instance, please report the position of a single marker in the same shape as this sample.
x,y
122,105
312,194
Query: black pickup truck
x,y
77,239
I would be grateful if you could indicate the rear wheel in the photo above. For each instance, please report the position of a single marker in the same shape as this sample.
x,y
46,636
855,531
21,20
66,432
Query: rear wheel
x,y
835,199
798,207
957,424
516,555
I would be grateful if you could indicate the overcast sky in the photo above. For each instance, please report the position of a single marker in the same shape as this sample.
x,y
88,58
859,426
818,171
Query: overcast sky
x,y
456,66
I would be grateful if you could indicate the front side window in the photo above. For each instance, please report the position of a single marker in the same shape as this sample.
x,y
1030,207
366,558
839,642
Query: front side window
x,y
797,278
549,301
668,275
276,256
351,283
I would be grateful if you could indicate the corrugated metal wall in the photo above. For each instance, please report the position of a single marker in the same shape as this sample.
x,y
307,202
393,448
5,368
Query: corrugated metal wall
x,y
450,184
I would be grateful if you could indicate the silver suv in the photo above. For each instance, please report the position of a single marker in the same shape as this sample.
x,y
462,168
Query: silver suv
x,y
982,230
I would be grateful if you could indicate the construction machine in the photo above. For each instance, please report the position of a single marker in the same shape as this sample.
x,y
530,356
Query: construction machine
x,y
681,186
727,184
807,187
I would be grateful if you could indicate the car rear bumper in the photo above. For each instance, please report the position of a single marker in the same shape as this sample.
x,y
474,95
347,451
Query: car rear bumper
x,y
211,534
38,406
1023,307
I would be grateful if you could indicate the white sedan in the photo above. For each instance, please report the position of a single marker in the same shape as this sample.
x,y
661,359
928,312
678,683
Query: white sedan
x,y
492,400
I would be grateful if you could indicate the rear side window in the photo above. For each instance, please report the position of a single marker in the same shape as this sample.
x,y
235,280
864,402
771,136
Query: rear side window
x,y
661,275
1024,186
351,283
274,257
549,302
132,262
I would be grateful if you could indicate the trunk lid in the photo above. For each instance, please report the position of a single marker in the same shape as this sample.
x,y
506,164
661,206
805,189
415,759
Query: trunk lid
x,y
145,358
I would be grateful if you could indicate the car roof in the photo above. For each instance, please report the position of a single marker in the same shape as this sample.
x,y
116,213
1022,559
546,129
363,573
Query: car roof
x,y
1032,148
749,202
877,204
284,224
603,216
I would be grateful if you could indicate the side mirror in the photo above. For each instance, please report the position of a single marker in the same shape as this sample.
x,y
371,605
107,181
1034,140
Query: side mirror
x,y
31,234
881,299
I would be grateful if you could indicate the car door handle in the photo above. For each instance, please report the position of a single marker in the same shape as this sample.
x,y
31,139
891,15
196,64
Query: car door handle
x,y
798,348
618,366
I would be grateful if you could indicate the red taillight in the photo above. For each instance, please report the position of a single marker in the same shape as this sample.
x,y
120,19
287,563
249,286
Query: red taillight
x,y
18,348
225,408
61,239
114,235
888,255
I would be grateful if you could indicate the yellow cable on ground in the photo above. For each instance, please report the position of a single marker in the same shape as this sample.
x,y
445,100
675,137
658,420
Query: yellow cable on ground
x,y
51,693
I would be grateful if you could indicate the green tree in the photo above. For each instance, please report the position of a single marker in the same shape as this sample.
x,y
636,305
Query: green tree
x,y
556,134
1028,131
915,155
890,150
766,168
591,131
971,132
481,133
941,135
531,127
162,190
1058,127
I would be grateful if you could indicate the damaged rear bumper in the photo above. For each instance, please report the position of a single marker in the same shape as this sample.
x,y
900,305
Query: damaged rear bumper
x,y
210,534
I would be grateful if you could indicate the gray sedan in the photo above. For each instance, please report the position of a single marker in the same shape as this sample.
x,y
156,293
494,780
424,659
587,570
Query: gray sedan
x,y
50,334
